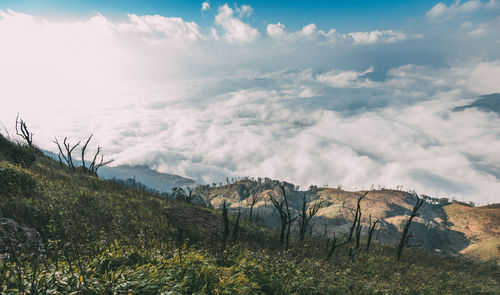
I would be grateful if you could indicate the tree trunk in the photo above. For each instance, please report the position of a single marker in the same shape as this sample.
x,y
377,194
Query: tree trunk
x,y
371,229
407,226
226,224
251,210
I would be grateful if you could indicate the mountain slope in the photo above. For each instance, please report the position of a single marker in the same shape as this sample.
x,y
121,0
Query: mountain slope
x,y
161,182
103,237
488,103
438,228
481,226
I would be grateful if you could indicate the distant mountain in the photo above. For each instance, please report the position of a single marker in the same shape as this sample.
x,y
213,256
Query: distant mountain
x,y
106,237
488,103
162,182
442,226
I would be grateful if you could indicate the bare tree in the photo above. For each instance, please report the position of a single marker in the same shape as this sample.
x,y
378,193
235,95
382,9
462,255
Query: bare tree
x,y
307,213
358,231
189,196
84,148
69,149
352,254
278,204
94,166
236,228
23,132
289,216
254,198
226,224
335,246
357,216
371,229
404,240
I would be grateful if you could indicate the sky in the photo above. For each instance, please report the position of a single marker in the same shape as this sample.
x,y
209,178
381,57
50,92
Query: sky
x,y
351,93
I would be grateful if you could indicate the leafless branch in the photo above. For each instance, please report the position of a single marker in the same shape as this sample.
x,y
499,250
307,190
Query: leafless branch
x,y
23,132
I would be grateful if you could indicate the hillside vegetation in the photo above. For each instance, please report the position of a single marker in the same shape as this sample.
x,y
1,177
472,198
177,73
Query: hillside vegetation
x,y
441,227
103,237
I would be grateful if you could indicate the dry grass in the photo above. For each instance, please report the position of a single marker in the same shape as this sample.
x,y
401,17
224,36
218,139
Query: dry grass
x,y
481,225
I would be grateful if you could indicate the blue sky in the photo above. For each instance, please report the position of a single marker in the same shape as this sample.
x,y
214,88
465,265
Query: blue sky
x,y
352,15
352,93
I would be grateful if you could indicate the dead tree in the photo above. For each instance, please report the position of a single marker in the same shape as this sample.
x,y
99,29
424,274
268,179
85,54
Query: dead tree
x,y
335,246
278,204
69,149
84,148
289,216
404,239
352,254
357,216
226,224
358,232
371,229
254,198
23,132
306,214
189,196
236,228
94,166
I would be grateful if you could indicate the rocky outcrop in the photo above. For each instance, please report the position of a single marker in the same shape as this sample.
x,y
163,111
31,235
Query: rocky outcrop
x,y
17,238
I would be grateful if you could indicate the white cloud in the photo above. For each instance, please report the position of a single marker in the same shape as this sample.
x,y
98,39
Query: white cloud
x,y
372,37
205,6
277,31
244,10
310,33
236,30
307,108
174,28
342,79
493,4
307,34
488,29
443,12
485,77
467,25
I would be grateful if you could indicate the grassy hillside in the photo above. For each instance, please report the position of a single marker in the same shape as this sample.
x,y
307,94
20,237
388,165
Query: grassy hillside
x,y
101,237
481,225
438,228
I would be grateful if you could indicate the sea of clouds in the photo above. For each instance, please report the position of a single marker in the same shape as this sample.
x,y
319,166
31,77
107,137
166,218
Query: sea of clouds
x,y
312,106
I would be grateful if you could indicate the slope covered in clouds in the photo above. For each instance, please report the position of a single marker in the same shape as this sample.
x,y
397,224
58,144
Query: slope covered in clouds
x,y
313,106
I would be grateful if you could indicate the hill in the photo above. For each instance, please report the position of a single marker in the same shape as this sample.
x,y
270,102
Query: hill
x,y
161,182
480,225
64,232
449,228
488,103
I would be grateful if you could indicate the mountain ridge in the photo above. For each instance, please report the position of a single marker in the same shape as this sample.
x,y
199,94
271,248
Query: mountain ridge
x,y
436,229
161,182
106,237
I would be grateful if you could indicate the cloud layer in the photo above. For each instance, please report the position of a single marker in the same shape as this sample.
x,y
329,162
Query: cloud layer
x,y
311,106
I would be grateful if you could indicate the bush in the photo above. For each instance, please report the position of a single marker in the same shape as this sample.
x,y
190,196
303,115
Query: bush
x,y
18,154
16,182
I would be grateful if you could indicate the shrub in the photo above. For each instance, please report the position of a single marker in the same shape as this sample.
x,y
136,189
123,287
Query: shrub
x,y
16,182
18,154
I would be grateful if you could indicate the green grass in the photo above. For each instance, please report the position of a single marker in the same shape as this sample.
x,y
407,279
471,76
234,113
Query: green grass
x,y
101,237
